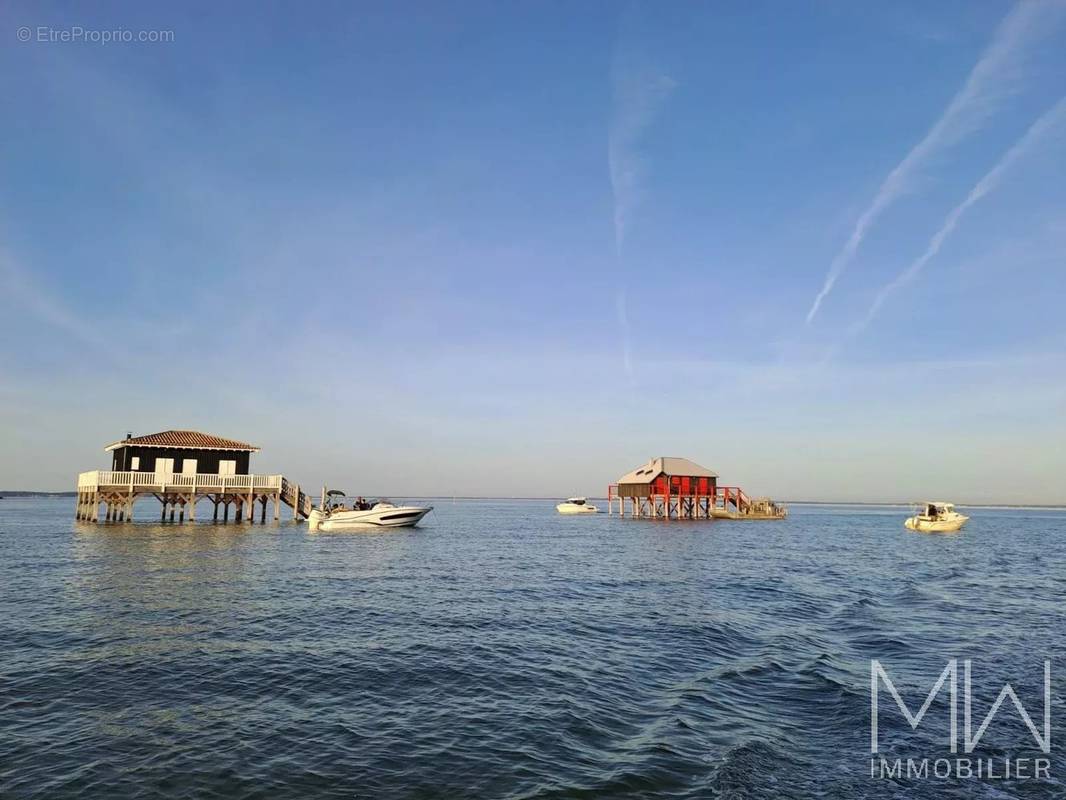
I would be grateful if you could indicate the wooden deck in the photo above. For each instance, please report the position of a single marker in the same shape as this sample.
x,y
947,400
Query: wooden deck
x,y
727,502
178,494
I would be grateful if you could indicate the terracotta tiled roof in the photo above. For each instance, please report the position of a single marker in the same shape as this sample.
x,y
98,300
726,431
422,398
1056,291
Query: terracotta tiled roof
x,y
204,441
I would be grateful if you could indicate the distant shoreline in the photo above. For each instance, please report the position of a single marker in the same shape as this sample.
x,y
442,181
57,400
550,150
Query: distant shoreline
x,y
866,503
24,493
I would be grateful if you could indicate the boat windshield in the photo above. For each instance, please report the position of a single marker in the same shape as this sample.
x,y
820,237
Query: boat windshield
x,y
577,501
935,510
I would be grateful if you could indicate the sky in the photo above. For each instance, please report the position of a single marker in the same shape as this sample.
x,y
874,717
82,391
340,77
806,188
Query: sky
x,y
518,249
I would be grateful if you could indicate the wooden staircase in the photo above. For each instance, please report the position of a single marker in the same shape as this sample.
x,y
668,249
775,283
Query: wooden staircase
x,y
733,496
731,502
295,498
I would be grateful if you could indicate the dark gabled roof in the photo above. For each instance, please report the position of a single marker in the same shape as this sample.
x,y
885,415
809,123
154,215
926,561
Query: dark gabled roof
x,y
189,439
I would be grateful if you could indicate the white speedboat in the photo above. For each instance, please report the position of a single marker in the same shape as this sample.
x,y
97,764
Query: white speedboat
x,y
576,505
936,517
336,515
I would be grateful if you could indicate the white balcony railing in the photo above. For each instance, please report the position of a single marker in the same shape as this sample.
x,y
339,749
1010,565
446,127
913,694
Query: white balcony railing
x,y
159,480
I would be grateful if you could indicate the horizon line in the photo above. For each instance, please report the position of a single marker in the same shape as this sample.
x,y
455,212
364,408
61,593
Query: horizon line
x,y
983,504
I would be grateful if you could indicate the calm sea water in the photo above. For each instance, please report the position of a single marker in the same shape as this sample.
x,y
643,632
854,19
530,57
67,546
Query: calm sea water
x,y
502,651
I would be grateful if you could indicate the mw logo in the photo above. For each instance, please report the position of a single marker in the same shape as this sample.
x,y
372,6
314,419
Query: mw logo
x,y
950,676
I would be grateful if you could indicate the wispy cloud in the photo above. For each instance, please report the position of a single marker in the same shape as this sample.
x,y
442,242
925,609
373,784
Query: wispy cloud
x,y
994,78
1051,118
22,291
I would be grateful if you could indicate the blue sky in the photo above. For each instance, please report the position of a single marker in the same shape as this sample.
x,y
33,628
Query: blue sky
x,y
502,249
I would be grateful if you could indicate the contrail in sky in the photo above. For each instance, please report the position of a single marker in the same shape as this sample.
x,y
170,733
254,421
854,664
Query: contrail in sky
x,y
638,93
1048,120
992,79
638,96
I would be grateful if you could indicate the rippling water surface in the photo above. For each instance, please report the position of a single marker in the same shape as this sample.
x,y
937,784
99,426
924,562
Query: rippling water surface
x,y
502,651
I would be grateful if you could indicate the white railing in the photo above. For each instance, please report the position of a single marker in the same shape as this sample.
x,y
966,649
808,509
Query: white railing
x,y
134,480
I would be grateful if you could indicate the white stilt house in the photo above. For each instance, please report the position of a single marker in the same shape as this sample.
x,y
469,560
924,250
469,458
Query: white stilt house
x,y
178,468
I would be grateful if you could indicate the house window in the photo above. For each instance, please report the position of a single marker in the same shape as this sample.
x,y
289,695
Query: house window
x,y
227,467
135,462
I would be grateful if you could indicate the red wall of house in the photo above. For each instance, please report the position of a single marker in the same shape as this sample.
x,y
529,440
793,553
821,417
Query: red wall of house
x,y
684,485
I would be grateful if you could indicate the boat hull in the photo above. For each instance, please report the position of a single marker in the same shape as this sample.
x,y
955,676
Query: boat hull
x,y
573,508
935,526
395,517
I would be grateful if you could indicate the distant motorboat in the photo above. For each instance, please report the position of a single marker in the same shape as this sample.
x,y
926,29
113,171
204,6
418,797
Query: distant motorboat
x,y
335,515
576,505
936,517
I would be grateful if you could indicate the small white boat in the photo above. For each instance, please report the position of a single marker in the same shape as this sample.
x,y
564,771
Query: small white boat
x,y
936,517
576,505
335,515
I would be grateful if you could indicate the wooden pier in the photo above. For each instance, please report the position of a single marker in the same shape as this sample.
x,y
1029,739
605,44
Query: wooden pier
x,y
179,468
